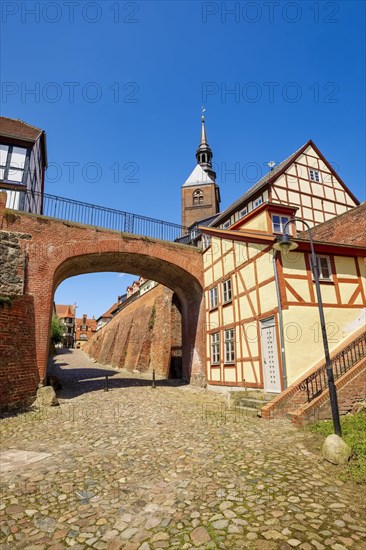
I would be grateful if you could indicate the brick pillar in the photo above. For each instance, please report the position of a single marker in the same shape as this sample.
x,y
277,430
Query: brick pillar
x,y
43,302
194,349
2,207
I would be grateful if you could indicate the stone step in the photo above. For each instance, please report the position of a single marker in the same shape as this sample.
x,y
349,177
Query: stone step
x,y
252,403
260,395
249,411
251,400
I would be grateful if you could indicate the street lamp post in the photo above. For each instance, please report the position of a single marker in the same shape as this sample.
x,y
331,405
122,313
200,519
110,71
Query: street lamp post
x,y
285,244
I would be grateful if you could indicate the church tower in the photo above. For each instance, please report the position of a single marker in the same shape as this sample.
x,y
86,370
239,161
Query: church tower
x,y
200,193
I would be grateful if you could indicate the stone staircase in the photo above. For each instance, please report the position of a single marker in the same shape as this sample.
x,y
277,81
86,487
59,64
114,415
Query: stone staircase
x,y
251,402
307,399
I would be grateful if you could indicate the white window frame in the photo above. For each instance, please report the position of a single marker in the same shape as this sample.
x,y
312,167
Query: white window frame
x,y
194,233
314,174
10,168
226,224
258,201
226,292
215,348
197,197
329,267
206,241
214,299
282,223
229,345
243,212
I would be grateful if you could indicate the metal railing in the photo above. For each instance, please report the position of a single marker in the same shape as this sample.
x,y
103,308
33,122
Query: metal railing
x,y
317,382
90,214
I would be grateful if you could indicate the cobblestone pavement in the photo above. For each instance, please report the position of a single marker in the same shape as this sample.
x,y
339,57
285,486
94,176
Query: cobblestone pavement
x,y
141,469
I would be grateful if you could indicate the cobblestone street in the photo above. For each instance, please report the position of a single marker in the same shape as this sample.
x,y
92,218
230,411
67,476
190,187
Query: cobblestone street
x,y
141,469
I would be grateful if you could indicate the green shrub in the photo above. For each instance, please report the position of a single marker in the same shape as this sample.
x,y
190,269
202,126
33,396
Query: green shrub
x,y
57,330
5,300
354,434
152,318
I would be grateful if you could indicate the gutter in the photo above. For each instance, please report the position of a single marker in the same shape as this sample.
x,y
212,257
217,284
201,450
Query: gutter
x,y
280,319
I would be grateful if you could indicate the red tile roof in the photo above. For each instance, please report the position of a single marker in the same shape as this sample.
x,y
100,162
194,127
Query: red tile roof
x,y
10,127
63,311
109,311
347,228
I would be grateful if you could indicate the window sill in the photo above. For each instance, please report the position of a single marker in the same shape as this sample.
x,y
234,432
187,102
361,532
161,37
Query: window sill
x,y
325,281
213,308
227,303
230,364
215,365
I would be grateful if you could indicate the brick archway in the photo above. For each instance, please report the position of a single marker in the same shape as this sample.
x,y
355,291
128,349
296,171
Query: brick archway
x,y
56,250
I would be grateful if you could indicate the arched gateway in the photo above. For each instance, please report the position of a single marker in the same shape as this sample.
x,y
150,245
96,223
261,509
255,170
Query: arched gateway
x,y
55,250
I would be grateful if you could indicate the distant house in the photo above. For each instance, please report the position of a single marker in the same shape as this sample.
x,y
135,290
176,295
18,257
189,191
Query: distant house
x,y
107,316
84,329
66,313
133,291
23,161
146,285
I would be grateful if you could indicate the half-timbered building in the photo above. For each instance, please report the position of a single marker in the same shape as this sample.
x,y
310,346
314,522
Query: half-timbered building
x,y
262,315
305,180
23,162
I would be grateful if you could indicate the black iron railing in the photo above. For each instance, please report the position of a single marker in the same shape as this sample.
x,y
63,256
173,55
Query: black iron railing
x,y
317,382
97,216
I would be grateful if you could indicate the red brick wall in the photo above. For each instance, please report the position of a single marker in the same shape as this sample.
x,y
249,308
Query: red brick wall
x,y
18,366
2,207
57,250
351,387
141,335
344,228
190,213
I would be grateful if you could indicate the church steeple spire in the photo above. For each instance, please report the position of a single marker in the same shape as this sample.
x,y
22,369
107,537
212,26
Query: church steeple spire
x,y
200,193
204,154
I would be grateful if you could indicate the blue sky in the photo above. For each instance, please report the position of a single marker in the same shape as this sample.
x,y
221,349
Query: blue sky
x,y
118,87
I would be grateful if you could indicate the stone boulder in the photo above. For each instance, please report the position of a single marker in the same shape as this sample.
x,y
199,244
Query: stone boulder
x,y
335,450
358,407
46,397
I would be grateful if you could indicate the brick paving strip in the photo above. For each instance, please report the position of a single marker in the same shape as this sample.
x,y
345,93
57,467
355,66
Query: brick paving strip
x,y
141,469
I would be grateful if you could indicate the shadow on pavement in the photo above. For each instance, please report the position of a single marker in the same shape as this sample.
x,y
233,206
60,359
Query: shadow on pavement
x,y
78,381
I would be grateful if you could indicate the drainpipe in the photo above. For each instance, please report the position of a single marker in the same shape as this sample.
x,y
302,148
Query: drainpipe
x,y
280,318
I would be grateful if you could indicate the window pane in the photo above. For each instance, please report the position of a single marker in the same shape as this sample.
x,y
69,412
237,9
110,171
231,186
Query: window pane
x,y
15,175
12,200
18,157
226,286
215,348
324,269
213,297
3,154
276,224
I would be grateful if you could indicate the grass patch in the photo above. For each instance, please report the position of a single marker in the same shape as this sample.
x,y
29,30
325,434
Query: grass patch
x,y
5,300
152,318
354,434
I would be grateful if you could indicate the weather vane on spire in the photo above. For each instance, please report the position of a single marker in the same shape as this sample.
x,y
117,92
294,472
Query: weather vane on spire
x,y
203,109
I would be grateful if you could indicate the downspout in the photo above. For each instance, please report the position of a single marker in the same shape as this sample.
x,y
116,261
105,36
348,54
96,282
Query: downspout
x,y
42,190
280,319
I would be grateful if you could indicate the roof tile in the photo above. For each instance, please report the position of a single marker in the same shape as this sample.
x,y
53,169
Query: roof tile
x,y
11,127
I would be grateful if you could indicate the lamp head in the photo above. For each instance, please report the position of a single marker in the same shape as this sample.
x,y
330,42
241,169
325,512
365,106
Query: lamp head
x,y
284,244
